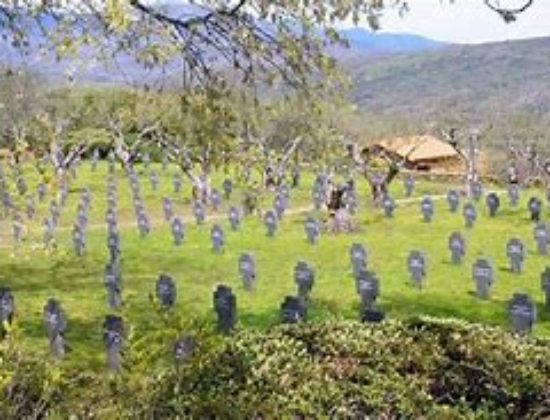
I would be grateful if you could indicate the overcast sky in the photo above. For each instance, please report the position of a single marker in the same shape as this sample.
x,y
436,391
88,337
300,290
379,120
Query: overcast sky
x,y
469,21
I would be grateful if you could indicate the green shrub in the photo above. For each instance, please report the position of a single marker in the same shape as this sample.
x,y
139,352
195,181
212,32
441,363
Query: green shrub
x,y
418,368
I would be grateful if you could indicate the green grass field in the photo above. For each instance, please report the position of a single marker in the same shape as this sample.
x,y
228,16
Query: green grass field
x,y
35,274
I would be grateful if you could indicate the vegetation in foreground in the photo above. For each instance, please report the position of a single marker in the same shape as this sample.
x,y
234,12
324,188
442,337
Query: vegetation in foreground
x,y
416,368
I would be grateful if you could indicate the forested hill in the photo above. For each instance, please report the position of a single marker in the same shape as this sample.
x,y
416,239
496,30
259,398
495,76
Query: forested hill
x,y
496,78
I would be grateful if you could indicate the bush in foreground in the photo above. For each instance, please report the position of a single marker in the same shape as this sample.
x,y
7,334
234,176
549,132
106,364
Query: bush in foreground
x,y
417,368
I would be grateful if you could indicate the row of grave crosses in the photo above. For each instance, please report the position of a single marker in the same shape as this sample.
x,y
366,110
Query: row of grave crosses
x,y
522,310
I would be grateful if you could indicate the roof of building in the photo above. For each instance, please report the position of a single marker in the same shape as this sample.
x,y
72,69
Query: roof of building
x,y
417,148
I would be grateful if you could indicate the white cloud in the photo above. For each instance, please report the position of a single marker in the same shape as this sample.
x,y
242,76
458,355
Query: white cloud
x,y
468,21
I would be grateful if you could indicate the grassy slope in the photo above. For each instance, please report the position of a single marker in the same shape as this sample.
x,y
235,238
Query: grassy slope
x,y
35,275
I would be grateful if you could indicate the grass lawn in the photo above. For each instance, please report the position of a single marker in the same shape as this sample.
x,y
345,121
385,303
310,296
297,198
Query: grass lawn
x,y
35,274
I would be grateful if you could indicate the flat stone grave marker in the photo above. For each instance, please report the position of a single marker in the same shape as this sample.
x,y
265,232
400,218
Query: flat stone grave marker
x,y
457,246
484,277
515,250
416,264
523,313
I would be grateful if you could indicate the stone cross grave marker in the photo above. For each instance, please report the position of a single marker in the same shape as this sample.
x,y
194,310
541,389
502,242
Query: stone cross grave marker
x,y
247,270
493,203
542,237
477,190
409,185
293,310
270,220
184,348
313,230
227,187
167,209
457,246
470,215
296,176
113,338
177,183
113,284
545,286
166,291
484,277
427,208
513,194
523,313
535,208
178,232
367,287
416,264
218,238
199,212
515,250
55,323
7,309
215,200
304,277
234,217
358,258
225,306
388,204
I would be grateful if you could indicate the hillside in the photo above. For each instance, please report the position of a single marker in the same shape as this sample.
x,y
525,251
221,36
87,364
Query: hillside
x,y
497,78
